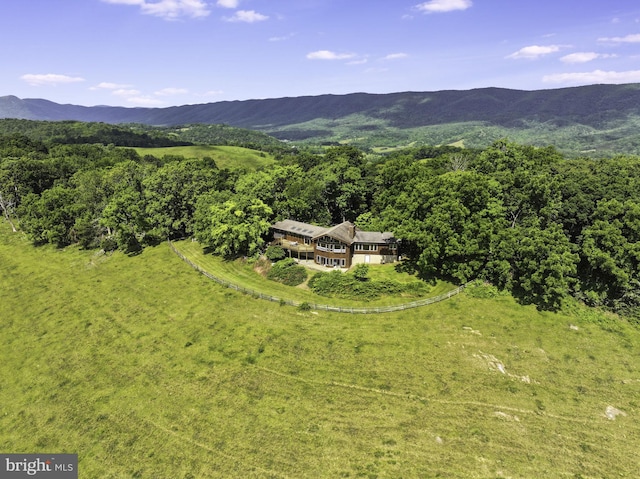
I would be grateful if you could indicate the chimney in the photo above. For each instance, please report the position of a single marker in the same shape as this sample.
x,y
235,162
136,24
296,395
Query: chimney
x,y
352,230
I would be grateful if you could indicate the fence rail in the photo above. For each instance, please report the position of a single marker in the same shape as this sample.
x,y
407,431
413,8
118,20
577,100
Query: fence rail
x,y
319,307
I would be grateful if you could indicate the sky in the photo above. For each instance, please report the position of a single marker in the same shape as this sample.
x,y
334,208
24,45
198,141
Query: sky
x,y
160,53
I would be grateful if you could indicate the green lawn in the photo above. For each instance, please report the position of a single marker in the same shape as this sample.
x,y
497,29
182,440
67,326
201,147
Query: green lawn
x,y
148,369
232,157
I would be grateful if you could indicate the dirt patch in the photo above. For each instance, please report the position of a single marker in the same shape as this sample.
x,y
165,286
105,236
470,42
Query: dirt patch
x,y
262,266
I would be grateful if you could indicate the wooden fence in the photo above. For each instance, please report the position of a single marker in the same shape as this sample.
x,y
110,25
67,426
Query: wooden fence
x,y
320,307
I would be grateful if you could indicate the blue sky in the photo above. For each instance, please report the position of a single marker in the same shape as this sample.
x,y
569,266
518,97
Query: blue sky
x,y
175,52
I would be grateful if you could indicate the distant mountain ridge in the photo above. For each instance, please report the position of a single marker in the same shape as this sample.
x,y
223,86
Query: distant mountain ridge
x,y
601,108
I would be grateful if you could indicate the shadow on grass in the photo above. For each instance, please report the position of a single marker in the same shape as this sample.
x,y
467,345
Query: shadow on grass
x,y
410,266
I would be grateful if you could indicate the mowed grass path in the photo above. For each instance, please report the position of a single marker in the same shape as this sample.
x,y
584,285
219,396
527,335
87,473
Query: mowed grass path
x,y
240,273
146,368
231,157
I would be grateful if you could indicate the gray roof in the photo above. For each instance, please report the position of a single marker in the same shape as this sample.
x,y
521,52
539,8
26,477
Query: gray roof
x,y
373,237
344,232
299,228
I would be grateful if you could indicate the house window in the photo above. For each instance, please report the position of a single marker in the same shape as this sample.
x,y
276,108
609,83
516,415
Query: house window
x,y
366,247
335,248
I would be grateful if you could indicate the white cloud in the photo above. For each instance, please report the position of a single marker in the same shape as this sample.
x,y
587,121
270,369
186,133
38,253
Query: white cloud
x,y
109,86
358,62
125,92
584,57
168,9
49,79
534,51
171,91
441,6
596,76
228,3
282,39
247,16
144,101
635,38
395,56
329,55
125,2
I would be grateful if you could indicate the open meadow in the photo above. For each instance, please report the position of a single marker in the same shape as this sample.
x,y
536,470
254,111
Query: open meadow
x,y
147,369
231,157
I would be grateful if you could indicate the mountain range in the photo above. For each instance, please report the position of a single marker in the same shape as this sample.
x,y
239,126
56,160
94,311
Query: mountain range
x,y
601,119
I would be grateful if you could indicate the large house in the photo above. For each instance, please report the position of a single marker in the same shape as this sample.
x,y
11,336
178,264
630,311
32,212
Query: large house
x,y
340,246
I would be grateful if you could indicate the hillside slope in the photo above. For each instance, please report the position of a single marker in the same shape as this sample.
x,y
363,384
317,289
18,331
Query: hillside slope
x,y
610,112
147,369
588,105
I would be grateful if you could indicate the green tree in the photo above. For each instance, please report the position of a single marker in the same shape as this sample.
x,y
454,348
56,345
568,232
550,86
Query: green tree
x,y
449,222
538,265
124,215
529,191
288,190
346,183
91,196
7,207
49,218
171,193
361,272
611,252
237,226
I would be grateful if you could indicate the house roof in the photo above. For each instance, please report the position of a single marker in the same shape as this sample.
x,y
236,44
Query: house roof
x,y
373,237
297,227
344,232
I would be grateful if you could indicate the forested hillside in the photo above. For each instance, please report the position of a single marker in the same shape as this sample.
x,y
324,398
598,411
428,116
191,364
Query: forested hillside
x,y
598,120
526,219
138,135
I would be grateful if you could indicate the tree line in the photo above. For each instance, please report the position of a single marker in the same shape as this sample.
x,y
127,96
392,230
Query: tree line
x,y
526,219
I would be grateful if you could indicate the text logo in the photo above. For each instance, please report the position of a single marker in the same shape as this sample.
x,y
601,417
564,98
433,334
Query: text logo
x,y
45,466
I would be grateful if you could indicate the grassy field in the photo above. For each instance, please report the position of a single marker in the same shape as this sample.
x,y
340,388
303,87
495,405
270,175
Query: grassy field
x,y
241,273
147,369
232,157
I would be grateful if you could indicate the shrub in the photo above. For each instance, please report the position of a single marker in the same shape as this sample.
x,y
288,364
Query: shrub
x,y
287,272
480,289
275,253
109,244
361,272
304,307
327,283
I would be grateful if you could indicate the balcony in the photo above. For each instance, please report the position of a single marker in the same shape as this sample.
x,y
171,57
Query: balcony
x,y
294,246
328,250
